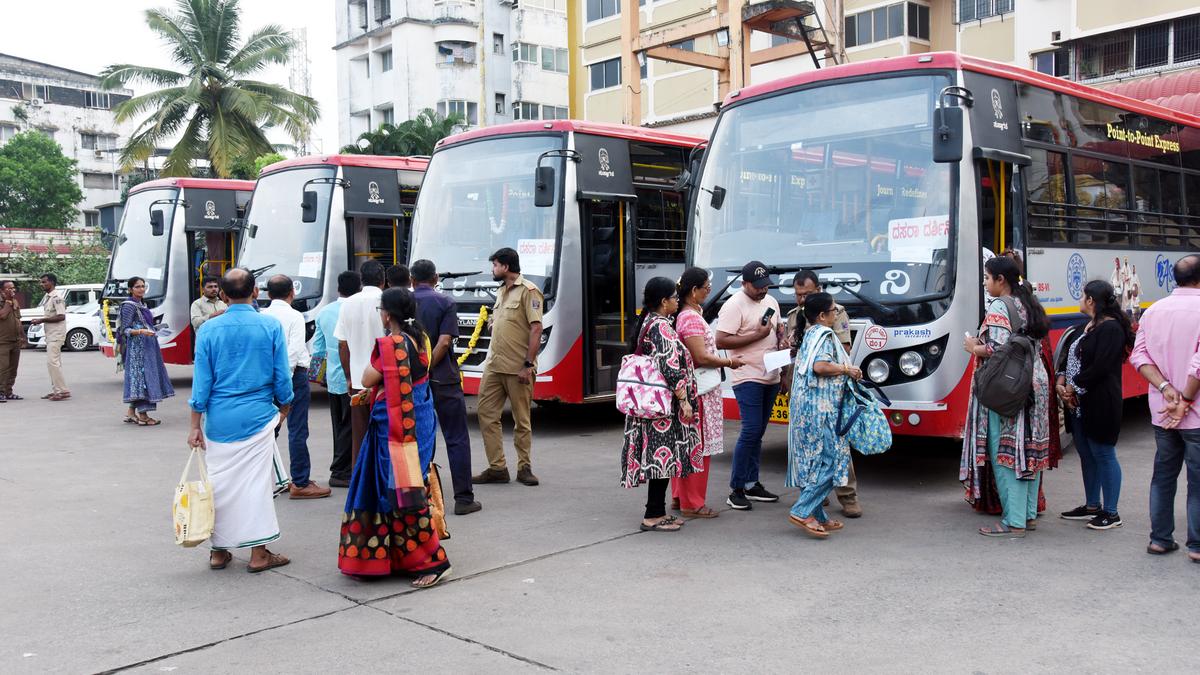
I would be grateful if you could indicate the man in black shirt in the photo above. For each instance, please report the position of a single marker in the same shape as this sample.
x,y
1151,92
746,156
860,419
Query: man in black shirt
x,y
438,314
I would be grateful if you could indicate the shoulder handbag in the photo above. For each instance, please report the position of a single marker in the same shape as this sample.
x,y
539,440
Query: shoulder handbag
x,y
316,370
708,379
192,509
642,391
861,419
1004,381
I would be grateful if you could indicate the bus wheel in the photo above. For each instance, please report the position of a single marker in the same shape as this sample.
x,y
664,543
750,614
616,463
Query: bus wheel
x,y
79,340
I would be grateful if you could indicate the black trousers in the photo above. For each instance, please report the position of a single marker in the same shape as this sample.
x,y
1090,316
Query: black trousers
x,y
656,497
451,409
339,414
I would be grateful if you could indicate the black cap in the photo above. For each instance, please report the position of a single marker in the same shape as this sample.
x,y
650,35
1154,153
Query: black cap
x,y
756,273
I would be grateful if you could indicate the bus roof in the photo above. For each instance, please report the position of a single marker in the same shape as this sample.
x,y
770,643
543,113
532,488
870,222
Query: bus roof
x,y
598,128
954,60
372,161
206,183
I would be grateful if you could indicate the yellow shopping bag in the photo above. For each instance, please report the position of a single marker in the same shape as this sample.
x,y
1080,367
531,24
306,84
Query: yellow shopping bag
x,y
193,506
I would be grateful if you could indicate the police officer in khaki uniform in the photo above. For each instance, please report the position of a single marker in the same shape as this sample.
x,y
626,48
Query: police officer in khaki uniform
x,y
510,368
805,284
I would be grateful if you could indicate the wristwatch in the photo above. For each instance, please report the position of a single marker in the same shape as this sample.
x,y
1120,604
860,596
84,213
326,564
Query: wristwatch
x,y
528,364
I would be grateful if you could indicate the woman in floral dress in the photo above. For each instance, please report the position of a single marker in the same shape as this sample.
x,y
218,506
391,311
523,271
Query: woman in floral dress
x,y
689,494
146,379
1017,449
818,459
657,450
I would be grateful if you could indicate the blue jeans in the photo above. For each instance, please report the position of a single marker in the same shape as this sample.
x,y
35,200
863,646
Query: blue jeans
x,y
1100,468
1176,447
754,401
297,422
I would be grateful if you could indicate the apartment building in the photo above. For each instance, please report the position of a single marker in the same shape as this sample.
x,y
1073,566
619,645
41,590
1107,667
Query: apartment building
x,y
491,61
69,107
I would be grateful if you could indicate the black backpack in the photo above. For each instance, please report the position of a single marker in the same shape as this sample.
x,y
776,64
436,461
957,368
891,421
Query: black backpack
x,y
1004,381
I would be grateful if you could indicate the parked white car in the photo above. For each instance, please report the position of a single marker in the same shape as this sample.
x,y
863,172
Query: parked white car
x,y
75,295
84,328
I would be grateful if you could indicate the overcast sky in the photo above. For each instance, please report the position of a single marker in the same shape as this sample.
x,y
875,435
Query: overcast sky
x,y
87,35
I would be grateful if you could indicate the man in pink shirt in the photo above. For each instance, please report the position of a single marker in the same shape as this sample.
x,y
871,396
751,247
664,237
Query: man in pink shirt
x,y
1167,354
749,326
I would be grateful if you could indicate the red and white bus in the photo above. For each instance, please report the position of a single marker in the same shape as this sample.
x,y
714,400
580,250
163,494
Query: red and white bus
x,y
891,177
173,232
613,219
298,224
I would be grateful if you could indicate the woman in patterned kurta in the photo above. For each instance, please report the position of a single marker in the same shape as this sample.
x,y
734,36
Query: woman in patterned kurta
x,y
657,450
146,379
688,494
818,459
1016,449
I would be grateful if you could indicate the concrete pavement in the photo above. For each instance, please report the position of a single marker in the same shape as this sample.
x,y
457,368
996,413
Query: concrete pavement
x,y
558,576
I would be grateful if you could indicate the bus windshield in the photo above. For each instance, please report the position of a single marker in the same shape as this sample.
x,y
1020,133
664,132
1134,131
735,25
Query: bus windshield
x,y
477,198
839,176
280,235
137,252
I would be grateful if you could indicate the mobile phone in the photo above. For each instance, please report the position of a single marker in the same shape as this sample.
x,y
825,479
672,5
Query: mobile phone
x,y
767,315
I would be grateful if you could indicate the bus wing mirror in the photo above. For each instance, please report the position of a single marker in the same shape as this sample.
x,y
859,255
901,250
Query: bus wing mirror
x,y
543,186
718,197
683,182
156,222
947,134
308,207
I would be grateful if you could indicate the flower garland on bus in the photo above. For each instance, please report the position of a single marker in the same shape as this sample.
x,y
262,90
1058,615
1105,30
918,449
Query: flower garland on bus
x,y
479,324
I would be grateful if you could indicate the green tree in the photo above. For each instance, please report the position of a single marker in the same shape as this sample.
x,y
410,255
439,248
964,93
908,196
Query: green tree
x,y
266,160
418,136
209,102
37,183
84,263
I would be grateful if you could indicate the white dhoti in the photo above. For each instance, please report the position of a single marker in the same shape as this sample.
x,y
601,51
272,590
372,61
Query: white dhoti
x,y
243,476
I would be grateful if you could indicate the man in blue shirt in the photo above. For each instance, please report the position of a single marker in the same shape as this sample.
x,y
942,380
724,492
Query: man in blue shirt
x,y
240,385
439,315
325,345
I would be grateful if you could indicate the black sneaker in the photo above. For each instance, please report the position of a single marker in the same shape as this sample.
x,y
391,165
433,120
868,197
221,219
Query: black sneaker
x,y
759,494
737,499
1105,521
1081,513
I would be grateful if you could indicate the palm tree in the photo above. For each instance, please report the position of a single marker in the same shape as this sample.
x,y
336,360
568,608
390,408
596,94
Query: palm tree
x,y
219,114
418,136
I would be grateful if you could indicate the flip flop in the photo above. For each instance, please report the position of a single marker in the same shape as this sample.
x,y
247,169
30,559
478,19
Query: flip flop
x,y
148,422
221,565
832,525
808,529
437,578
130,420
1001,530
14,397
1174,546
663,525
1030,525
273,560
702,512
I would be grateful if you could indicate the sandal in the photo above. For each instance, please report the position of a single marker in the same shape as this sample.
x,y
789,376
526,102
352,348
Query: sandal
x,y
437,577
667,524
1155,549
14,397
1001,530
59,397
1030,525
225,560
148,421
702,512
832,525
130,419
273,560
817,531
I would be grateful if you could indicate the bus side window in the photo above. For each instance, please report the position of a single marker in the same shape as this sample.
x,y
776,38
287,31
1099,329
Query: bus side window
x,y
1046,185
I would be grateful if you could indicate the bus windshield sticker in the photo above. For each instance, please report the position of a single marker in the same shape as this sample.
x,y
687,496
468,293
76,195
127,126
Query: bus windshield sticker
x,y
537,256
913,240
154,273
310,264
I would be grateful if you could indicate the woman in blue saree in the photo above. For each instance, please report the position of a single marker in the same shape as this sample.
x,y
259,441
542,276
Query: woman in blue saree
x,y
818,459
146,379
387,526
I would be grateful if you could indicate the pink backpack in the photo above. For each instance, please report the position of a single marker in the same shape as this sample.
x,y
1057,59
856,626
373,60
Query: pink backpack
x,y
642,391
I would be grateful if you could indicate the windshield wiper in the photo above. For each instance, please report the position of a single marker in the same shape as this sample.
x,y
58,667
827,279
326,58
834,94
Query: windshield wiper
x,y
258,272
458,275
873,304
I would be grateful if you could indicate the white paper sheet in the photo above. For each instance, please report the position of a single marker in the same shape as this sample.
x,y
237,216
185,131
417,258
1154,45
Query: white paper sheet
x,y
776,360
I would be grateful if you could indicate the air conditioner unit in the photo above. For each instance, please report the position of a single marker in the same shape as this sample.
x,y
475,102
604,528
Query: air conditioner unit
x,y
37,102
99,154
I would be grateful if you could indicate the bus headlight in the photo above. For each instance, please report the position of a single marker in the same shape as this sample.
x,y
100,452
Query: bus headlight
x,y
911,363
878,370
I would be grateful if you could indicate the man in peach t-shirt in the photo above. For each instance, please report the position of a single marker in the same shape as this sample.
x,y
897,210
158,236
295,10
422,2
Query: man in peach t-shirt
x,y
749,326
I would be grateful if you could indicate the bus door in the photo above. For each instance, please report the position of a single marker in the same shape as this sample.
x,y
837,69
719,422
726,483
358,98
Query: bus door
x,y
373,212
373,238
608,307
212,221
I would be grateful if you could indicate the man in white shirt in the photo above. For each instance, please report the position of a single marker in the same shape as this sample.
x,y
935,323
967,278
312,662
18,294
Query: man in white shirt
x,y
282,293
357,329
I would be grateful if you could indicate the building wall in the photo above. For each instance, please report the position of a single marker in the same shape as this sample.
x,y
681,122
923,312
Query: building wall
x,y
992,38
63,115
421,77
1098,16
